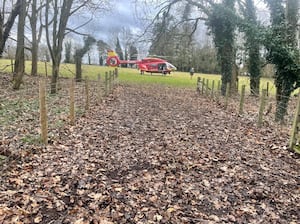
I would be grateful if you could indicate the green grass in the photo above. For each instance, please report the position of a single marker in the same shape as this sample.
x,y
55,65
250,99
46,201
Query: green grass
x,y
128,75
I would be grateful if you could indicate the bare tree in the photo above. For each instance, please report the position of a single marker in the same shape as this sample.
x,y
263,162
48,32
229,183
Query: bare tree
x,y
57,15
36,32
20,57
60,15
6,25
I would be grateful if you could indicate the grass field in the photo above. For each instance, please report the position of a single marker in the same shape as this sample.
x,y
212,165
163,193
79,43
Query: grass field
x,y
128,75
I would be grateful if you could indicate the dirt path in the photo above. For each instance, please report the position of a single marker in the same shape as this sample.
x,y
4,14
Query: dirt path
x,y
156,155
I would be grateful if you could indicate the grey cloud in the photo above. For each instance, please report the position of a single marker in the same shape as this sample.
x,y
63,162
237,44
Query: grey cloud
x,y
122,16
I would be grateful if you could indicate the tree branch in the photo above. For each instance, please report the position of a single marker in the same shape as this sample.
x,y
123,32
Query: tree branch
x,y
78,27
74,31
79,7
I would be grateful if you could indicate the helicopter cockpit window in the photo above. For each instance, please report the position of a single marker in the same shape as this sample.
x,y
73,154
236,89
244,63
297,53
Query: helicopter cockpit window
x,y
170,66
161,67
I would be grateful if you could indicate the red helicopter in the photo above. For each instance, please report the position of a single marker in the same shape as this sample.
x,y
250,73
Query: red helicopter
x,y
152,65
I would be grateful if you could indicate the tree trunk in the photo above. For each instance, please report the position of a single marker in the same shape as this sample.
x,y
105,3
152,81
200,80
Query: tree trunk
x,y
283,52
54,78
89,58
252,44
34,59
8,25
20,57
234,79
88,41
78,69
254,69
284,90
227,67
222,25
292,12
34,48
58,28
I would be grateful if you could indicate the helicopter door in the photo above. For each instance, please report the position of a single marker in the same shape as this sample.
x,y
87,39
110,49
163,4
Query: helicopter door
x,y
162,67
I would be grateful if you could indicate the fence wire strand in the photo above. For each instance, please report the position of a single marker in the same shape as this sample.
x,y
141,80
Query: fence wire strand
x,y
251,102
20,116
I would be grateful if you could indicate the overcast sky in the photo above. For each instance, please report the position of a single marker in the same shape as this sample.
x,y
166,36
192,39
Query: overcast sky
x,y
123,15
105,23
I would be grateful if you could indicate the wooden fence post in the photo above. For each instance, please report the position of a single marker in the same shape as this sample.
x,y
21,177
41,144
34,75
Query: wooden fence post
x,y
106,84
87,97
99,95
219,85
46,69
12,65
207,89
242,100
294,139
267,88
113,80
227,95
117,76
198,84
218,90
212,89
110,82
72,102
43,111
116,72
203,86
262,107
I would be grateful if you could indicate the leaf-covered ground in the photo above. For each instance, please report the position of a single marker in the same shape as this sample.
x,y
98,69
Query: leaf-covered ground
x,y
156,155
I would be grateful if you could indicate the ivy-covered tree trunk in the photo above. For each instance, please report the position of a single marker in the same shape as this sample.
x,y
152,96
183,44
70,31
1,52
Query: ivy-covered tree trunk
x,y
252,45
226,61
254,69
222,24
88,41
283,92
234,79
282,51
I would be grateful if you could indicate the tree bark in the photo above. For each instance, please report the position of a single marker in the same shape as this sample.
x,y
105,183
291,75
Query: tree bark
x,y
227,64
78,68
88,41
252,44
60,18
283,93
254,69
54,77
8,25
20,57
283,52
36,36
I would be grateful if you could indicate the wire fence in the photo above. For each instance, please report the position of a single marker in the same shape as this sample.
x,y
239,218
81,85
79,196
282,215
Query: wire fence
x,y
251,105
20,117
20,111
